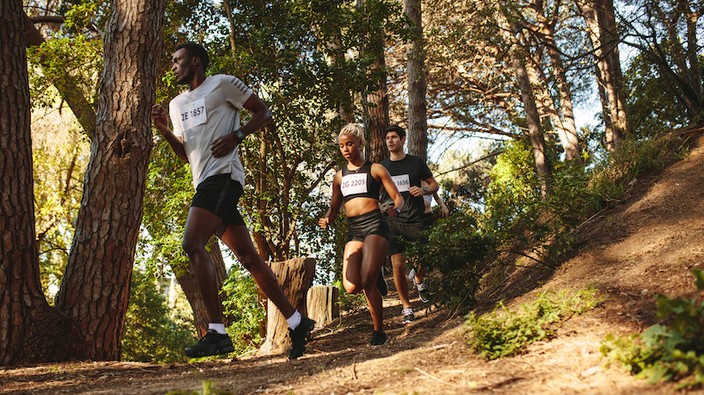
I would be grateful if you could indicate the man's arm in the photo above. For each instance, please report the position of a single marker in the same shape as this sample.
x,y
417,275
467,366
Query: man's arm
x,y
261,115
161,123
430,189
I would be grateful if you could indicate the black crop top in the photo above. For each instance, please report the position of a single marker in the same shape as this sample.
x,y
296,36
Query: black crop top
x,y
359,183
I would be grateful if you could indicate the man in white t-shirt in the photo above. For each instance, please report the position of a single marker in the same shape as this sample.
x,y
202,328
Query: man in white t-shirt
x,y
207,133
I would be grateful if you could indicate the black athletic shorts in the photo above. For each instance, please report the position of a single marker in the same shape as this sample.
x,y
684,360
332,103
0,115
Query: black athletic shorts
x,y
401,232
427,220
371,223
220,194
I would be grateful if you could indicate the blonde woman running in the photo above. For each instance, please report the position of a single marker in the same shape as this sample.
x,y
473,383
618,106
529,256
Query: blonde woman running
x,y
357,185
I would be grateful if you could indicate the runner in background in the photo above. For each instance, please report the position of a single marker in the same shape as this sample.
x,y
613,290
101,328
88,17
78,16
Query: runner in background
x,y
357,186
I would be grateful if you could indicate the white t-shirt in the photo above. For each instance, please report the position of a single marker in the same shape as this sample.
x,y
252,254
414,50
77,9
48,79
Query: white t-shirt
x,y
204,114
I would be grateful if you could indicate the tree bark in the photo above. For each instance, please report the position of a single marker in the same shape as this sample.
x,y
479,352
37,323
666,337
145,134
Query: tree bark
x,y
322,304
417,85
376,102
95,288
25,316
295,277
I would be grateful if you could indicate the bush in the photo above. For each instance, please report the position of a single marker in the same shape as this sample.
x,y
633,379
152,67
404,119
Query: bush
x,y
670,351
152,334
241,305
455,250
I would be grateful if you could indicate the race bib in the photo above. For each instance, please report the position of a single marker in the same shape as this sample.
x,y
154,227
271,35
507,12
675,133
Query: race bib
x,y
194,114
353,184
402,182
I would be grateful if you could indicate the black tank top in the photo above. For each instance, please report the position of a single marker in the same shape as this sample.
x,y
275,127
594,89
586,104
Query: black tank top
x,y
359,183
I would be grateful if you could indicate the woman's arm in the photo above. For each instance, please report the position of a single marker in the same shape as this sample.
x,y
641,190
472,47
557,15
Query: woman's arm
x,y
335,202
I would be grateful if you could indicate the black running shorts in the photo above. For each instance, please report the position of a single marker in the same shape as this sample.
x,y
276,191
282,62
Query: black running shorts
x,y
371,223
401,232
220,194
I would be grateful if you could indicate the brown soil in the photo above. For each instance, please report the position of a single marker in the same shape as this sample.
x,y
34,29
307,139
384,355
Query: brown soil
x,y
645,245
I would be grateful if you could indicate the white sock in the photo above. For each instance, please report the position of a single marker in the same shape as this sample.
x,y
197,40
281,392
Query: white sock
x,y
294,320
217,327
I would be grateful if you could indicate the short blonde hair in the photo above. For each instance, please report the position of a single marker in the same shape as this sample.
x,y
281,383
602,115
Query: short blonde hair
x,y
356,130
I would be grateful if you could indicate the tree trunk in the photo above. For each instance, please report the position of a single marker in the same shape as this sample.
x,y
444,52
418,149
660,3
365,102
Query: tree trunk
x,y
533,119
566,128
95,288
322,304
601,27
535,131
25,316
417,86
376,103
295,277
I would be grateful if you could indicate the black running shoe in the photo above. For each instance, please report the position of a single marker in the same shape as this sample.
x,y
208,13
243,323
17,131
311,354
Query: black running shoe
x,y
300,336
381,284
378,338
212,343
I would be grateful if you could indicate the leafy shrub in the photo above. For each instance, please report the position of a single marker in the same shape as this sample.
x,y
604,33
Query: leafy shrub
x,y
349,302
455,250
504,332
241,305
152,334
670,351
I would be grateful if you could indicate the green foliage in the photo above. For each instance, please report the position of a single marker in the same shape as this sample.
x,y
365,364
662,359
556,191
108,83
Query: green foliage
x,y
208,389
651,103
349,302
241,305
455,250
153,331
73,61
672,350
59,154
504,332
519,219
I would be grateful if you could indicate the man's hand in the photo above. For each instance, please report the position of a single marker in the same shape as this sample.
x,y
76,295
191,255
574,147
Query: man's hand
x,y
161,122
415,191
224,145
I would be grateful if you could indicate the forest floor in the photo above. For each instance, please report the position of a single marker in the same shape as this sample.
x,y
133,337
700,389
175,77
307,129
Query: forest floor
x,y
644,245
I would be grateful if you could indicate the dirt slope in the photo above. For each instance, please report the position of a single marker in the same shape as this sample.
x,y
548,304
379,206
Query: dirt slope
x,y
646,245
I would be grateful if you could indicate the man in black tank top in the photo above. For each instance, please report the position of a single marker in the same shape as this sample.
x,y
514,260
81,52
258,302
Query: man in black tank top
x,y
407,171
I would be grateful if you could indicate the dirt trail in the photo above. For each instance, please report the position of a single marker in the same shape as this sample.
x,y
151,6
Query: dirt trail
x,y
644,246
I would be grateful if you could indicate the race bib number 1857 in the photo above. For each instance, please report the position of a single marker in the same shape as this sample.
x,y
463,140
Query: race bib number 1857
x,y
194,114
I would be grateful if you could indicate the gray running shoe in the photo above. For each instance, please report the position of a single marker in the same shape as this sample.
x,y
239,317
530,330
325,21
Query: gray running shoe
x,y
408,315
423,292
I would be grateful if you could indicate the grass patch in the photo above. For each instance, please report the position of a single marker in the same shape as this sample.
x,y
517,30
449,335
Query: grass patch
x,y
505,332
672,350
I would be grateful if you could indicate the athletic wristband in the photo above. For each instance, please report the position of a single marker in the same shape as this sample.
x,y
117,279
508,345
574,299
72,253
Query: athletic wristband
x,y
239,135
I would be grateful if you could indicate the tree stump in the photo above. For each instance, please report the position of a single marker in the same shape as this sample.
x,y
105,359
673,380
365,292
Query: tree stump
x,y
322,304
295,276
